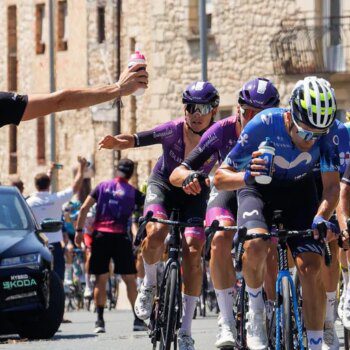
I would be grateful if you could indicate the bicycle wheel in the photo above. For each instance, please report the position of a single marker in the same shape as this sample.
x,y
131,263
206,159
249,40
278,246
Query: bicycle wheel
x,y
240,311
203,296
346,339
287,324
170,309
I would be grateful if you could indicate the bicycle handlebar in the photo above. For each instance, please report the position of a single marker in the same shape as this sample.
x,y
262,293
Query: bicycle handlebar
x,y
149,218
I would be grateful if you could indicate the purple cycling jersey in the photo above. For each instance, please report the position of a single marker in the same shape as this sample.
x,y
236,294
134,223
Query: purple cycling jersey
x,y
218,140
170,135
116,200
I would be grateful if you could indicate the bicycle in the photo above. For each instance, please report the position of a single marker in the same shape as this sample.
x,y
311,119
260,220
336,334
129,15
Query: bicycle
x,y
166,314
289,329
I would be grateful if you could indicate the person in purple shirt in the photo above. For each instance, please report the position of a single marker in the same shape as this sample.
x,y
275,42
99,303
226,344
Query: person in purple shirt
x,y
115,201
178,137
254,96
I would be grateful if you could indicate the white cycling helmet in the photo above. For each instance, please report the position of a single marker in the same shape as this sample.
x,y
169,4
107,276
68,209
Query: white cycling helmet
x,y
313,103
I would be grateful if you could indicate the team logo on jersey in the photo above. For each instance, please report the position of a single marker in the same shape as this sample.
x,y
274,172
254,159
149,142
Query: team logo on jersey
x,y
336,140
267,118
243,139
119,192
250,213
284,164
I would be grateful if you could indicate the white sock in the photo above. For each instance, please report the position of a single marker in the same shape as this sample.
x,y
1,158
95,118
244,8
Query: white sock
x,y
138,282
189,303
87,280
225,301
331,298
150,279
256,301
315,339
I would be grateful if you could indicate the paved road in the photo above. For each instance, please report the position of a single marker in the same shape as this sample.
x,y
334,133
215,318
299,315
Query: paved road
x,y
78,334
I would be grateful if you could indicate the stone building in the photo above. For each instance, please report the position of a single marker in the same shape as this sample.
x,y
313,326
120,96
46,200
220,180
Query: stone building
x,y
283,40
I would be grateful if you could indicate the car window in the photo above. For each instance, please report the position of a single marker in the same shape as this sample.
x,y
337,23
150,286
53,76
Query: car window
x,y
12,213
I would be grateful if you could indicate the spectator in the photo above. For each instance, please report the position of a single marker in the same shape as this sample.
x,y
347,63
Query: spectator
x,y
116,200
17,182
15,108
49,205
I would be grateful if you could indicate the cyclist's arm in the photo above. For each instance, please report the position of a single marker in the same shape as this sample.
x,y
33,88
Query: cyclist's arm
x,y
89,202
12,107
43,104
228,179
343,209
330,194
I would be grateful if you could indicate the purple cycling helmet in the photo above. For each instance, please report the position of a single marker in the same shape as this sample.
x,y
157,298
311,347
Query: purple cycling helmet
x,y
259,93
201,92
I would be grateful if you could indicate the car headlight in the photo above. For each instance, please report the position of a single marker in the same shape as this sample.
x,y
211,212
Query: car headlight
x,y
20,260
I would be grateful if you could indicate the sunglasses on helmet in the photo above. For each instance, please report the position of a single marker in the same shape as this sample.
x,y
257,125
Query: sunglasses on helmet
x,y
201,109
307,135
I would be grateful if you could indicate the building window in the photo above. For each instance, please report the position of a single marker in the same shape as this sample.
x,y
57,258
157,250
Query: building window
x,y
39,28
101,34
193,15
12,80
40,146
62,42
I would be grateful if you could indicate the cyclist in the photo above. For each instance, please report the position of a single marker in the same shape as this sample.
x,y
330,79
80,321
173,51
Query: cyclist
x,y
300,135
178,137
331,273
15,108
115,201
255,95
343,215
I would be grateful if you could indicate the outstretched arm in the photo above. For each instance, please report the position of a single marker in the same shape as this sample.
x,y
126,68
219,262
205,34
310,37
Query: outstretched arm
x,y
43,104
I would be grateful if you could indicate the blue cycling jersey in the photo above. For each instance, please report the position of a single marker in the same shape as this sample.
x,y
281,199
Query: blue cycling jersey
x,y
291,164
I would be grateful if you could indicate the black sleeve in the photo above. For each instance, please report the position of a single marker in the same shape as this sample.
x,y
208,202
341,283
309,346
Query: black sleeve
x,y
346,176
145,138
198,156
12,107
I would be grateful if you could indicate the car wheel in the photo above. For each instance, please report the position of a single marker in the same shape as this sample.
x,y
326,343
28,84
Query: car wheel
x,y
46,323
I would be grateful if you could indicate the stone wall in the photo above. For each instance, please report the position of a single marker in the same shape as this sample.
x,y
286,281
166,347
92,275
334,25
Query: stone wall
x,y
238,49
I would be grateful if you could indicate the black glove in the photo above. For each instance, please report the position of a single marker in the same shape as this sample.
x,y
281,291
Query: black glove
x,y
199,175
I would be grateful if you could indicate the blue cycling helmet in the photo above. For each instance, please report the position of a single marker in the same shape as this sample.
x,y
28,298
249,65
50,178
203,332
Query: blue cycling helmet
x,y
259,93
201,92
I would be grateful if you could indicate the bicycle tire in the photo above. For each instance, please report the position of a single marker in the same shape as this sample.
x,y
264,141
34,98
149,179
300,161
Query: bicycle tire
x,y
346,339
241,316
170,313
287,324
203,296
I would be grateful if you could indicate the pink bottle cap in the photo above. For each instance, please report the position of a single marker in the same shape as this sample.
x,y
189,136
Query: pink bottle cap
x,y
137,56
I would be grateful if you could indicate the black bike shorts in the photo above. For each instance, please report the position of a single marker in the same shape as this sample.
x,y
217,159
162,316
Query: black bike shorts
x,y
106,246
162,197
222,205
297,200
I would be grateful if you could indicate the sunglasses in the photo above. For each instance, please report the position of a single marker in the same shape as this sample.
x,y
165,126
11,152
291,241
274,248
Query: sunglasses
x,y
307,135
201,109
249,112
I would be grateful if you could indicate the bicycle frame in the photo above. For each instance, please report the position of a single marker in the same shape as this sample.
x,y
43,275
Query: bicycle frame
x,y
284,273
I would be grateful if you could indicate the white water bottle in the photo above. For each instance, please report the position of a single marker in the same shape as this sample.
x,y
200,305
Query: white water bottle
x,y
136,58
268,154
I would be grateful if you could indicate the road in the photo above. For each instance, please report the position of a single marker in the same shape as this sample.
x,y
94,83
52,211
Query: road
x,y
79,335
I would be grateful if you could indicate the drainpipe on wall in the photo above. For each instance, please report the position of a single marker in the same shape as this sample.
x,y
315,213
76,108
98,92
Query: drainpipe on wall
x,y
203,37
52,89
117,124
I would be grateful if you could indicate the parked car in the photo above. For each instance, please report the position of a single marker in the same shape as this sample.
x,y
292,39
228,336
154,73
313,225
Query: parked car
x,y
31,293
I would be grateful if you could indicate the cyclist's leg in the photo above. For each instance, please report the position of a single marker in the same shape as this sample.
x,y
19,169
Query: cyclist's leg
x,y
222,206
307,253
158,200
193,210
88,286
252,213
99,266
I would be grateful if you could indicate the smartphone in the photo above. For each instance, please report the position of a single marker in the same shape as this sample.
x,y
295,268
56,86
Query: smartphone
x,y
58,166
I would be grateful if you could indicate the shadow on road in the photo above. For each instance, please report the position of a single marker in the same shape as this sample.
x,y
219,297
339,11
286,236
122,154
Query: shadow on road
x,y
73,336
